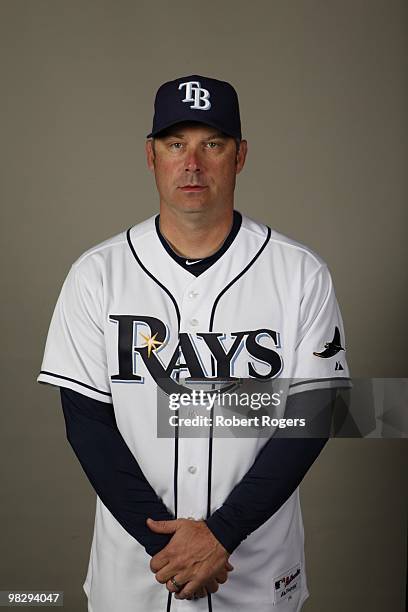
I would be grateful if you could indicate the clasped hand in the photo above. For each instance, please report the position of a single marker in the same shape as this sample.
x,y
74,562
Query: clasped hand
x,y
194,558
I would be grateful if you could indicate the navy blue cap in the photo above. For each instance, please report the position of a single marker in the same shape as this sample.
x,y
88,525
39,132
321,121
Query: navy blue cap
x,y
197,98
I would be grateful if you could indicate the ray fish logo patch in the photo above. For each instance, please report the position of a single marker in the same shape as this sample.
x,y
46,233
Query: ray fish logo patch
x,y
331,348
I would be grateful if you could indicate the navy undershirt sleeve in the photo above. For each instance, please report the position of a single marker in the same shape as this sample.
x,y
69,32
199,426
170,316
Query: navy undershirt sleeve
x,y
112,468
277,471
123,488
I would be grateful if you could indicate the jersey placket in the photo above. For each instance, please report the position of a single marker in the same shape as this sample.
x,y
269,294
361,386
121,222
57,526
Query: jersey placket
x,y
193,443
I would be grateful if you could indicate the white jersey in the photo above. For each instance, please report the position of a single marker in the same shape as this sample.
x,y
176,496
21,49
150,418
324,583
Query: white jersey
x,y
129,322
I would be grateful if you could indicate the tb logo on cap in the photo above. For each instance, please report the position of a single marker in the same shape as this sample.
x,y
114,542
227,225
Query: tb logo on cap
x,y
196,94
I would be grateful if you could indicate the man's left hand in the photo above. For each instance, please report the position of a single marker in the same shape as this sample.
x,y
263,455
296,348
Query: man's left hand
x,y
193,557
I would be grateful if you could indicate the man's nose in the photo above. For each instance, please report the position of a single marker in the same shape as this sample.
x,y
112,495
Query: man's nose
x,y
193,162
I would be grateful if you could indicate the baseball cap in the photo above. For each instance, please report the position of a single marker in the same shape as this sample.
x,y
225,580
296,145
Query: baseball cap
x,y
197,98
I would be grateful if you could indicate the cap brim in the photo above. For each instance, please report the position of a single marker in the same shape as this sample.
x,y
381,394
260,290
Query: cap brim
x,y
189,120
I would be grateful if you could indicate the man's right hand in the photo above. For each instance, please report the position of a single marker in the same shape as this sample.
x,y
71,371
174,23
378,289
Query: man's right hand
x,y
192,558
211,586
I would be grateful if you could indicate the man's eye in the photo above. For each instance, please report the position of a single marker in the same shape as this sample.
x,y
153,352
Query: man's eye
x,y
176,145
213,145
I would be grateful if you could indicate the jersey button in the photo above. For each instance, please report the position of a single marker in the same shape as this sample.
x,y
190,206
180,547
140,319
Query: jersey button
x,y
192,294
194,322
192,469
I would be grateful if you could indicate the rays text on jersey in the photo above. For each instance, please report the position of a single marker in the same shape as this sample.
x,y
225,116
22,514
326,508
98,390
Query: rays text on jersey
x,y
257,348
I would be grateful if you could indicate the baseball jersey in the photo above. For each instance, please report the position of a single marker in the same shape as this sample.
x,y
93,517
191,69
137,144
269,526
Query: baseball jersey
x,y
130,325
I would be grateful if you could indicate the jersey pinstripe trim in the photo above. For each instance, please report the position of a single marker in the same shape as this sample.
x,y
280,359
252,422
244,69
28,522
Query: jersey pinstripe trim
x,y
77,382
211,432
318,380
336,382
146,271
238,276
176,431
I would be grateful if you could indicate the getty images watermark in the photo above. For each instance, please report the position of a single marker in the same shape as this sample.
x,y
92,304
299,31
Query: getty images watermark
x,y
321,407
234,408
207,400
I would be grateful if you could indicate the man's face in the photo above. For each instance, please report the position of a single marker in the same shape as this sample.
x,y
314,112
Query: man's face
x,y
195,167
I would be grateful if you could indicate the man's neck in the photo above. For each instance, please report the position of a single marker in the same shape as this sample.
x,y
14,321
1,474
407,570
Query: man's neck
x,y
193,235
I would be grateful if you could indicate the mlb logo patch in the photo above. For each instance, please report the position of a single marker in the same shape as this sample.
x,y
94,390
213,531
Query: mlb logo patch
x,y
285,585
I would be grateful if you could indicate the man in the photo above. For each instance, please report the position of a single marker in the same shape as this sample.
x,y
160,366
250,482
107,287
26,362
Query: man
x,y
198,292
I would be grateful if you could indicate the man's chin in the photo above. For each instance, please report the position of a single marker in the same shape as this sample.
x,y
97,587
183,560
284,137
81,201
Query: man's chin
x,y
193,205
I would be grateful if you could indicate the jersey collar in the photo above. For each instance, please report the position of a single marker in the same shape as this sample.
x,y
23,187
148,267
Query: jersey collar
x,y
198,266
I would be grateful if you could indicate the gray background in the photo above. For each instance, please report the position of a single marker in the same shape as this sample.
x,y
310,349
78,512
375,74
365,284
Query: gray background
x,y
323,94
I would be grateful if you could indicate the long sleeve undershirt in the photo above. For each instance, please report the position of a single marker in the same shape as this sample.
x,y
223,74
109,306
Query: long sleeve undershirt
x,y
123,488
112,468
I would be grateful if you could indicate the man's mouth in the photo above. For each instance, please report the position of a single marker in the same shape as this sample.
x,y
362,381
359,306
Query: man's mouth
x,y
193,188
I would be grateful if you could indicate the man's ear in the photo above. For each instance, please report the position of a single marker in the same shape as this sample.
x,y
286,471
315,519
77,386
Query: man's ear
x,y
241,155
150,154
